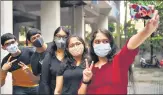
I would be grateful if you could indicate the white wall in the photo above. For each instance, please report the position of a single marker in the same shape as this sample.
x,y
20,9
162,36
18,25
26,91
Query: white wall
x,y
6,27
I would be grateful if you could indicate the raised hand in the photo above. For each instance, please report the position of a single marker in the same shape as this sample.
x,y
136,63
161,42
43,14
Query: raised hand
x,y
87,73
153,23
8,64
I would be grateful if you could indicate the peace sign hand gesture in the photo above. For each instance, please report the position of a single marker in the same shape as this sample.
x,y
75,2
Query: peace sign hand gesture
x,y
8,64
24,67
87,73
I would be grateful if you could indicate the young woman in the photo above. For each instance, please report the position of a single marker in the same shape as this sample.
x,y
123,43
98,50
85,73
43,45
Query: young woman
x,y
70,74
110,73
52,61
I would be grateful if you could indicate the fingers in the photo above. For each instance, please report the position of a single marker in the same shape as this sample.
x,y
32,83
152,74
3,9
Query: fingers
x,y
151,7
91,65
87,73
156,22
86,62
155,14
13,61
9,59
21,64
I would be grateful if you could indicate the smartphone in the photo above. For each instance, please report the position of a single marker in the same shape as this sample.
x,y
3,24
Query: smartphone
x,y
141,12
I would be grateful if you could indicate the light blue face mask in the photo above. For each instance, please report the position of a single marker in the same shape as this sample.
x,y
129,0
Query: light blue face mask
x,y
101,49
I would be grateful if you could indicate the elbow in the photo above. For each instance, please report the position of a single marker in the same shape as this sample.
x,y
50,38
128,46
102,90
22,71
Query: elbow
x,y
131,46
36,81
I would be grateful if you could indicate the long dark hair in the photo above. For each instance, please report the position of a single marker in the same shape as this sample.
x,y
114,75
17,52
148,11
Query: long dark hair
x,y
54,47
110,56
70,58
94,57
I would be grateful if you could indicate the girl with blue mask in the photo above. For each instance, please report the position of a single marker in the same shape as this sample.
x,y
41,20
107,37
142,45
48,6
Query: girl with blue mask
x,y
110,71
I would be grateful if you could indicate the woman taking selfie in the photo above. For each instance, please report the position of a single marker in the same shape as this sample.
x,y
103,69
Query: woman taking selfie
x,y
109,74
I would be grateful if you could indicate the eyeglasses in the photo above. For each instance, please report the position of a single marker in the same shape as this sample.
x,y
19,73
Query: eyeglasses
x,y
58,38
103,41
9,43
61,36
74,44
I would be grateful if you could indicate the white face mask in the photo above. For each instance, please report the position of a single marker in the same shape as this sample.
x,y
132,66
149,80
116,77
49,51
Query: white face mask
x,y
13,48
102,49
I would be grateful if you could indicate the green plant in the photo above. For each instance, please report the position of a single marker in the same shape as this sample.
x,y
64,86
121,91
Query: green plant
x,y
111,27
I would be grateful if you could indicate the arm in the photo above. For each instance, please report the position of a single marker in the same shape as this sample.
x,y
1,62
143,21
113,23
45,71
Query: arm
x,y
83,89
130,50
36,66
29,72
45,76
59,85
5,66
136,40
3,77
87,76
34,78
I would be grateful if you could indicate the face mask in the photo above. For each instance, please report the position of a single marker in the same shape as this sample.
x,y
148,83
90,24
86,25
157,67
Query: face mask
x,y
77,50
102,50
61,43
13,48
38,42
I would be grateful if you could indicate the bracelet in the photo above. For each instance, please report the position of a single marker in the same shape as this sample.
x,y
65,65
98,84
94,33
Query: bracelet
x,y
86,82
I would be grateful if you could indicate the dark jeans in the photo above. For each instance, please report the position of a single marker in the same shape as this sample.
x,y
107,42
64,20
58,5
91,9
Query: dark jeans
x,y
18,90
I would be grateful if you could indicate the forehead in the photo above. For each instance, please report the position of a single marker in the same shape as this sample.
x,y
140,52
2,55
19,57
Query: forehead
x,y
74,40
61,32
35,35
100,35
8,41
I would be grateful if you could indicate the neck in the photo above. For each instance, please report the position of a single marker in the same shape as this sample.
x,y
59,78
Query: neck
x,y
41,49
78,60
60,51
102,61
60,54
16,54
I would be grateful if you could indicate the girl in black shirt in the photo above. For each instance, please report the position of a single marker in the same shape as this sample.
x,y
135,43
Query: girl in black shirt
x,y
52,61
70,74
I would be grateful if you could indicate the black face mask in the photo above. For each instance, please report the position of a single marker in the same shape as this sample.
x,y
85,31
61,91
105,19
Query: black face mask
x,y
38,42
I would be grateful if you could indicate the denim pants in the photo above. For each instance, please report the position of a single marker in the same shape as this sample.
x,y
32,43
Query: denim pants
x,y
18,90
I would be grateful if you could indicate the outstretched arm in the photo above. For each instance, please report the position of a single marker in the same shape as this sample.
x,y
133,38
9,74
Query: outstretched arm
x,y
136,40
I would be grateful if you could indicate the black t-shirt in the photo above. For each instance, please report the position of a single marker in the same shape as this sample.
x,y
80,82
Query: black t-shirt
x,y
24,57
37,60
72,76
50,67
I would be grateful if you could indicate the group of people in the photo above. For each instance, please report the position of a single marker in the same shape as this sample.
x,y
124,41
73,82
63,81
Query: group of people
x,y
67,66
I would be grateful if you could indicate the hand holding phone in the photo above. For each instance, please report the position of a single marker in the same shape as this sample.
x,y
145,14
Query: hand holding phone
x,y
141,12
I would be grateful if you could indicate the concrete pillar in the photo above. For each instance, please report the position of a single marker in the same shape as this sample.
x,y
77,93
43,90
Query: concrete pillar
x,y
94,27
6,27
102,22
50,18
79,21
